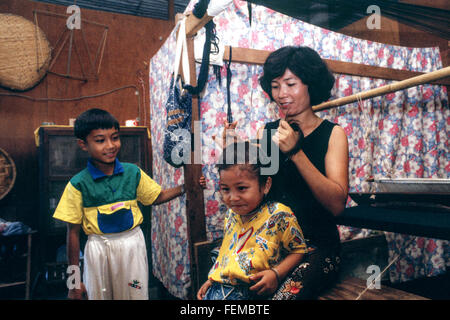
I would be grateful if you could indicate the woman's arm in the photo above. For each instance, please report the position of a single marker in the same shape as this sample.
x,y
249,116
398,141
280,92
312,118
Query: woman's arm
x,y
331,189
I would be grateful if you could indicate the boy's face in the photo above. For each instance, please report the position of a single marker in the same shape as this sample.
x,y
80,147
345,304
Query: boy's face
x,y
103,145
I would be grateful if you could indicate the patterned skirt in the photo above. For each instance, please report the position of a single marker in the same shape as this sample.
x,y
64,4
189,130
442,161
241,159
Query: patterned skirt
x,y
318,271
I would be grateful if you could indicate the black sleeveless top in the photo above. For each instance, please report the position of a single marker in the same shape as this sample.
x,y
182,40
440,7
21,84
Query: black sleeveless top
x,y
289,187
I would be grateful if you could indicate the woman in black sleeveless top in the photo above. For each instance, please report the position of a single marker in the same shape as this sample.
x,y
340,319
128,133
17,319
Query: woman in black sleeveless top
x,y
313,163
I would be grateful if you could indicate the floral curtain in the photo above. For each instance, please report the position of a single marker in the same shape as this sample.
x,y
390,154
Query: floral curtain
x,y
402,134
169,240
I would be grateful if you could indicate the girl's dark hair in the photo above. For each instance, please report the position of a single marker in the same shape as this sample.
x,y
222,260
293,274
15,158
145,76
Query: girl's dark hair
x,y
306,64
247,156
93,119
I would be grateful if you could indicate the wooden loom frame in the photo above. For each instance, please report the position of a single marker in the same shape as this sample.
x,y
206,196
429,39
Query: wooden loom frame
x,y
196,225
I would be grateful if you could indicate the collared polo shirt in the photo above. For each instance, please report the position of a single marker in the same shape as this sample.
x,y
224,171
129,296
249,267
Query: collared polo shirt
x,y
257,245
105,204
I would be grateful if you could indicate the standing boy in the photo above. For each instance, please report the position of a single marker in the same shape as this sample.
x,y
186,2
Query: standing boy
x,y
103,200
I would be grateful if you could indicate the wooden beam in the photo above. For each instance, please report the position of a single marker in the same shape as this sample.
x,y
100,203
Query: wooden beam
x,y
254,56
245,55
193,24
437,4
362,70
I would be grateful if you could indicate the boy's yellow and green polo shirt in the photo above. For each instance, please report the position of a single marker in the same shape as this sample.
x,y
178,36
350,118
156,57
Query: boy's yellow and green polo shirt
x,y
257,245
107,204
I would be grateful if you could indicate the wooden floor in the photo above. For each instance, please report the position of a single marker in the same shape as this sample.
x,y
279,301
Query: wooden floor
x,y
350,289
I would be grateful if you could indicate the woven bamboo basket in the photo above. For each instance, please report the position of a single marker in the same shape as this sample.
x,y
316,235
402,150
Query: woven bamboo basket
x,y
24,52
8,173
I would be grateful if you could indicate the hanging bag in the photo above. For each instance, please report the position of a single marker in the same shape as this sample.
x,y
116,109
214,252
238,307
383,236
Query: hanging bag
x,y
177,137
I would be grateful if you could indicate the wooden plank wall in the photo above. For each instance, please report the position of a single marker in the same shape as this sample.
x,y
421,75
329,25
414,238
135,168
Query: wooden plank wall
x,y
131,42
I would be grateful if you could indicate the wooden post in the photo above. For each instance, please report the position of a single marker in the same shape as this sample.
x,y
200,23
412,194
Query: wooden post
x,y
195,212
171,10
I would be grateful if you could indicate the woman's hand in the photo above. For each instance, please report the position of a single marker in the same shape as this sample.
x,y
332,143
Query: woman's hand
x,y
267,282
285,137
229,131
228,134
203,289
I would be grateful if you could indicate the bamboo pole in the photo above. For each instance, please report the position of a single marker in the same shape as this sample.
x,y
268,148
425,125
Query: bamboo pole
x,y
408,83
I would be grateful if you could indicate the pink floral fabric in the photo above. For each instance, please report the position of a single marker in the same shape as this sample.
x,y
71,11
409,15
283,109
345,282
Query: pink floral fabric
x,y
169,241
403,134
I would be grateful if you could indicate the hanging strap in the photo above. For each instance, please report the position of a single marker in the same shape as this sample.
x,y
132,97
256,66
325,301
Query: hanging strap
x,y
181,52
229,114
249,6
203,75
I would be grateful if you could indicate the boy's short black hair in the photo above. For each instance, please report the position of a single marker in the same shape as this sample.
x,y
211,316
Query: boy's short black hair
x,y
93,119
306,64
247,156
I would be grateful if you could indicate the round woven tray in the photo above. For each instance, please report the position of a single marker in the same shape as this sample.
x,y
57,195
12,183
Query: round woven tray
x,y
8,173
24,52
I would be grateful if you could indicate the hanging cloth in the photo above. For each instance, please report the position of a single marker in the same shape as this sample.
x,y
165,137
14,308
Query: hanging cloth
x,y
177,140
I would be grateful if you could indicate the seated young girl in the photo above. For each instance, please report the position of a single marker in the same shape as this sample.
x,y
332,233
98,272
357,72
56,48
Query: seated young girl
x,y
262,240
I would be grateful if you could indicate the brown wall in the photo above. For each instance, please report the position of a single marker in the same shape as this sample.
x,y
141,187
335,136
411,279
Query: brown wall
x,y
131,42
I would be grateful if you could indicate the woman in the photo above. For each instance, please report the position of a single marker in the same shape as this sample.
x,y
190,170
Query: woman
x,y
313,173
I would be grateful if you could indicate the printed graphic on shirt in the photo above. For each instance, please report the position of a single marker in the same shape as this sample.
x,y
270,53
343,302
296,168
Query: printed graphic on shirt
x,y
298,238
135,284
243,238
116,221
278,222
245,261
262,243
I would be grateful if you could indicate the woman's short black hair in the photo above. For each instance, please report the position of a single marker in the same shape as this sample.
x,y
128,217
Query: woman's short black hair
x,y
247,156
93,119
306,64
